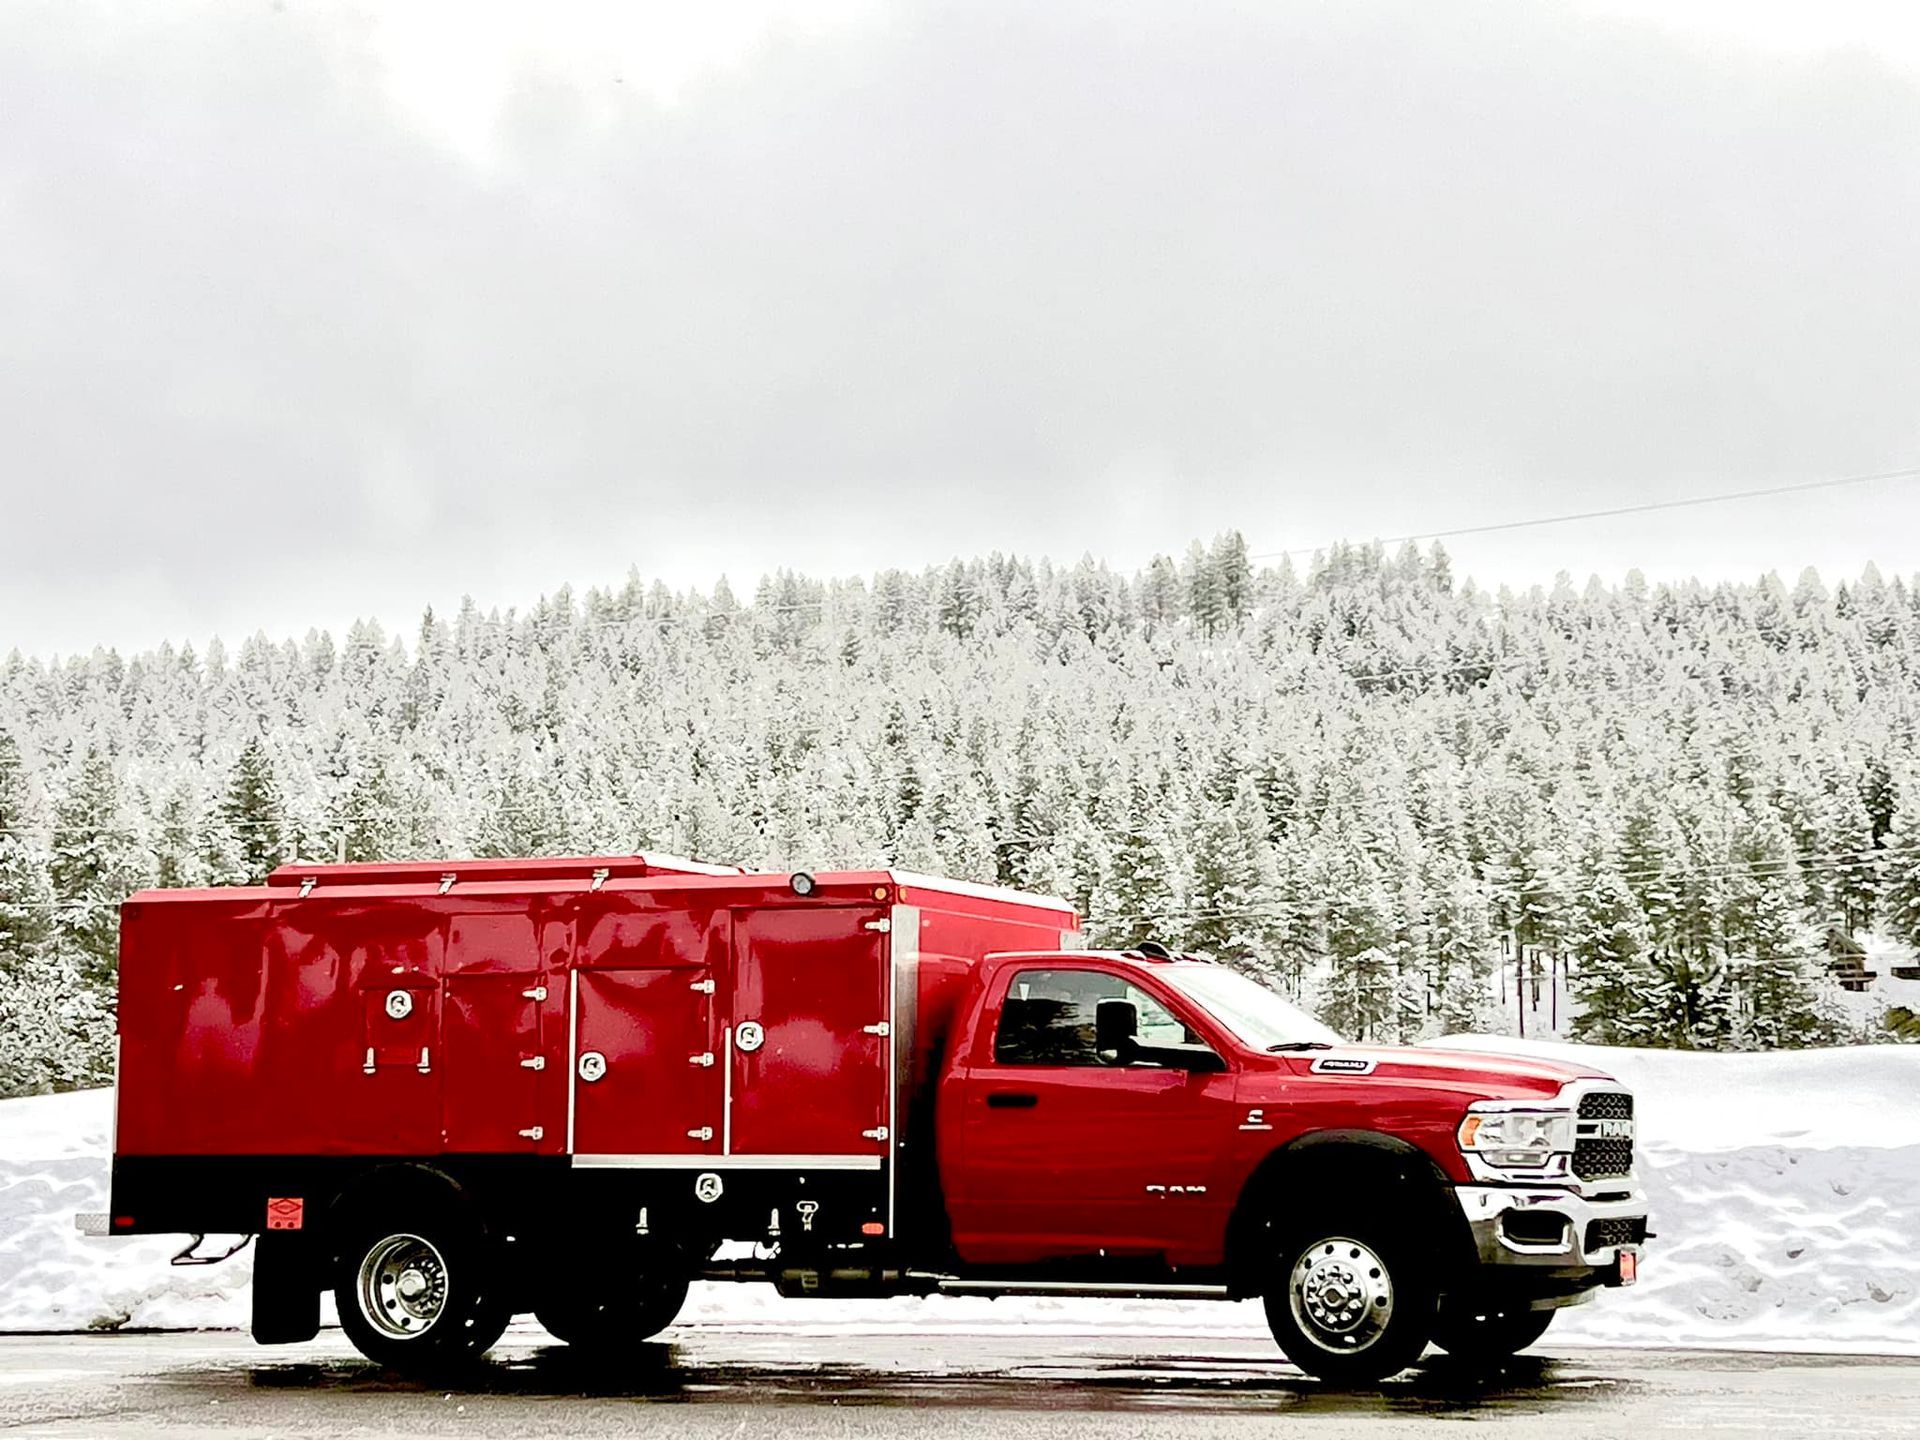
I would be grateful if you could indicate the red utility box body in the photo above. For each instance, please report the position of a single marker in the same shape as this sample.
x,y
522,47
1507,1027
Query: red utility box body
x,y
619,1014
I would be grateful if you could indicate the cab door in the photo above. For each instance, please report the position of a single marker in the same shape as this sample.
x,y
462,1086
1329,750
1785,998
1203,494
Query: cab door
x,y
1062,1155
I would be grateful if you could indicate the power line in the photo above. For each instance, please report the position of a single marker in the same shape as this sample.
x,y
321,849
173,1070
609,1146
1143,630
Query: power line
x,y
1641,509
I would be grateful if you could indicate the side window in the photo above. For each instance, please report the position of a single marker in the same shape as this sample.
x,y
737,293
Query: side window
x,y
1048,1017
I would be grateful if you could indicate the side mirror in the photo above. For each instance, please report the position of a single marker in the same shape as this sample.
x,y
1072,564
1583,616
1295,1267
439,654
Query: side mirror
x,y
1116,1026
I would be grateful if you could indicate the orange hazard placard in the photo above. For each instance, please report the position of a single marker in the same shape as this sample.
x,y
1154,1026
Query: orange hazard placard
x,y
286,1214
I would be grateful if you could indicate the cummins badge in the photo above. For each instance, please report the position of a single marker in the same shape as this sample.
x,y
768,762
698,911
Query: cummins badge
x,y
707,1187
399,1004
749,1037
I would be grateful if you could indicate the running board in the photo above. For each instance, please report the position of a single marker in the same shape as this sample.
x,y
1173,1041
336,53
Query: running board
x,y
1097,1289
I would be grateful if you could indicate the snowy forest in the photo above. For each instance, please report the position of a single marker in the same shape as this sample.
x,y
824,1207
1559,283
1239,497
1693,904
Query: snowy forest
x,y
1365,781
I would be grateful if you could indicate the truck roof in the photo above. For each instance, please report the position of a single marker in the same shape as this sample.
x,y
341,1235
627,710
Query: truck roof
x,y
570,867
550,875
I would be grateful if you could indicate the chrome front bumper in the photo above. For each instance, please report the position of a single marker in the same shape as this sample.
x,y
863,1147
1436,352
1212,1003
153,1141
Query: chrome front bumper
x,y
1491,1208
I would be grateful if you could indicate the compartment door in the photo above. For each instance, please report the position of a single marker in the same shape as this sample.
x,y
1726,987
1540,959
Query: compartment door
x,y
810,1053
494,1058
647,1076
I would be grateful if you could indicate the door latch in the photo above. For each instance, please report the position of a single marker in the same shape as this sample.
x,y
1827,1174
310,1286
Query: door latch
x,y
705,1057
533,1132
538,992
878,1133
883,1029
705,1132
701,987
534,1062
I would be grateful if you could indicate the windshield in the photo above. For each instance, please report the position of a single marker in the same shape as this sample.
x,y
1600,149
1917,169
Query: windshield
x,y
1256,1016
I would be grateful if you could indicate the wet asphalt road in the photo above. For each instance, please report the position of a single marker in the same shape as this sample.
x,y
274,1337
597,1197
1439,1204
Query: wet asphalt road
x,y
904,1384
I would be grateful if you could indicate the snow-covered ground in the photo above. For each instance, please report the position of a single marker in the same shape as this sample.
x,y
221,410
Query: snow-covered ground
x,y
1785,1192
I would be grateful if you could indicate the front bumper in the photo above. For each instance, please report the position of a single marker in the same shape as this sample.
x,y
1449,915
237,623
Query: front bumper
x,y
1544,1228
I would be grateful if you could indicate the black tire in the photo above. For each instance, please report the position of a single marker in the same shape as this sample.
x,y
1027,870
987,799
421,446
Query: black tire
x,y
1474,1334
418,1289
610,1321
1352,1298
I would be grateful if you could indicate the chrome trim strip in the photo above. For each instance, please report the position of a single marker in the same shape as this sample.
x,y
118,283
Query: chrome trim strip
x,y
727,1162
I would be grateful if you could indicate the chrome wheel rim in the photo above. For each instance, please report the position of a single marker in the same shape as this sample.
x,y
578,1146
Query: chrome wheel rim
x,y
403,1286
1341,1295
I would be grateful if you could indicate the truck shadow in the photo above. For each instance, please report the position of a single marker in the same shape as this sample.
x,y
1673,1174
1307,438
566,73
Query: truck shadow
x,y
940,1374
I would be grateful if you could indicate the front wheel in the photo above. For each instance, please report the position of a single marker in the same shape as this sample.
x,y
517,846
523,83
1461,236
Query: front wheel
x,y
1471,1334
1351,1301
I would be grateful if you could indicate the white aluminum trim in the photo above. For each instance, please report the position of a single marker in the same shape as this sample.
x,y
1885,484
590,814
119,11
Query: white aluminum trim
x,y
979,892
573,1049
726,1094
685,866
727,1162
902,920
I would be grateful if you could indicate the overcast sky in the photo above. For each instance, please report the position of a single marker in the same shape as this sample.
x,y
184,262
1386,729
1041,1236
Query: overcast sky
x,y
310,311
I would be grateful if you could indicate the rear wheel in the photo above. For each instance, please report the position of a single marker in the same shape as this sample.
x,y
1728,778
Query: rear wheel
x,y
1479,1334
418,1293
1351,1299
602,1317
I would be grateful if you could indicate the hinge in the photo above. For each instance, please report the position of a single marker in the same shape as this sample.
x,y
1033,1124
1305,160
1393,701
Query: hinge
x,y
704,1058
881,927
705,1132
425,1067
534,1062
876,1134
368,1068
701,987
539,992
533,1132
599,878
882,1029
446,882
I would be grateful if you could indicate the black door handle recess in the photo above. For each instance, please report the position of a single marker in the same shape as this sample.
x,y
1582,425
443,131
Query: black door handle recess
x,y
1012,1100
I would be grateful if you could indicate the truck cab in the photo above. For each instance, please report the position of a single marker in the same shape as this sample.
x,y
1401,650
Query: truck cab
x,y
1211,1133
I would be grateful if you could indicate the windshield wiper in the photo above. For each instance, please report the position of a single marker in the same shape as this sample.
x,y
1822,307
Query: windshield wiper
x,y
1298,1045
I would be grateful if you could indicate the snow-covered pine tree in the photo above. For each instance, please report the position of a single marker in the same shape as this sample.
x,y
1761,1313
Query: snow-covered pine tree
x,y
93,868
1899,865
253,818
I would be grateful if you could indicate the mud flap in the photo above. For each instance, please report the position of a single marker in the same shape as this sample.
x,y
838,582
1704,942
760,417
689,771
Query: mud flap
x,y
286,1289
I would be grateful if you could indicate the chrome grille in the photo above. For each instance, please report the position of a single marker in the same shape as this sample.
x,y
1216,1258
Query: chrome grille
x,y
1616,1230
1606,1105
1596,1155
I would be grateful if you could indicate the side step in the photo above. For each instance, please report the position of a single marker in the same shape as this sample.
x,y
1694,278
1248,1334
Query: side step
x,y
1089,1289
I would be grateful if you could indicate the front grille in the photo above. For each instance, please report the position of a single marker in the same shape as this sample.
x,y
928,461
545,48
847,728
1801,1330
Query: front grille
x,y
1595,1156
1595,1159
1617,1230
1606,1105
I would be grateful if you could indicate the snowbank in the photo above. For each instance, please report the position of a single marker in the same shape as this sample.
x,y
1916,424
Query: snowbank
x,y
1785,1191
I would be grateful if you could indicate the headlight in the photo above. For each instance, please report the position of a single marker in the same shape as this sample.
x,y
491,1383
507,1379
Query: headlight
x,y
1516,1139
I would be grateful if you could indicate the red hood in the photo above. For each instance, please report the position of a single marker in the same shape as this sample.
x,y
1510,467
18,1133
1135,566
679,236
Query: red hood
x,y
1490,1075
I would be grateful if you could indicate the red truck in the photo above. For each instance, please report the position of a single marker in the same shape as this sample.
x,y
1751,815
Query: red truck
x,y
452,1093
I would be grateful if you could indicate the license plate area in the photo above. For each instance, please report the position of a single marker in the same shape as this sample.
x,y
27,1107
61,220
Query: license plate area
x,y
1629,1266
